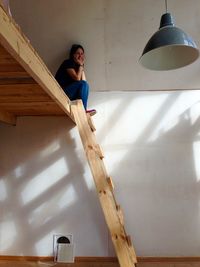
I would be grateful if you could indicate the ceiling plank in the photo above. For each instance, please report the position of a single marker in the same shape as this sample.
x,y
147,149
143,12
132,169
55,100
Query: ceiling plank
x,y
22,93
49,108
15,80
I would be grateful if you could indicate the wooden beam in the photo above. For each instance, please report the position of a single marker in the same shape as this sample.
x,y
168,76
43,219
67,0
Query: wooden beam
x,y
7,118
19,47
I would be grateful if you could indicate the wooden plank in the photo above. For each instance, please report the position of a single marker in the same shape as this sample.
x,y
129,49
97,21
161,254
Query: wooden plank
x,y
8,63
6,67
23,93
29,89
7,117
7,59
16,80
32,108
3,52
19,47
20,98
14,74
125,252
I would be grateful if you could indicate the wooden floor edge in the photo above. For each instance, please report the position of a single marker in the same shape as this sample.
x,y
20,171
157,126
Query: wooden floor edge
x,y
169,259
101,259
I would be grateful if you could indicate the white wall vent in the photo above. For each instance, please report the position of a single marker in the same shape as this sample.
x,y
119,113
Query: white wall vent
x,y
63,248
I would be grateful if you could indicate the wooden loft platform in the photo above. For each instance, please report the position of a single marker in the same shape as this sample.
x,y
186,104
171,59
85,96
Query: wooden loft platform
x,y
20,94
27,88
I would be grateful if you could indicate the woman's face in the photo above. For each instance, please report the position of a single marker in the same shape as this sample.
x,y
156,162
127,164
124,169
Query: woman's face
x,y
79,55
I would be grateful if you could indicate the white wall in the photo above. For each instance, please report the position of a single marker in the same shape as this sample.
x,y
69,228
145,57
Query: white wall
x,y
151,143
46,188
114,34
150,139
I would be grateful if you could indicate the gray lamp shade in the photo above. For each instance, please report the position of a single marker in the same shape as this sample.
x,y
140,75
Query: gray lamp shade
x,y
169,48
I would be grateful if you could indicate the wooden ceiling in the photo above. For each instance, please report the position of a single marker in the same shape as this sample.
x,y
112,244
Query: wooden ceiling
x,y
20,95
27,88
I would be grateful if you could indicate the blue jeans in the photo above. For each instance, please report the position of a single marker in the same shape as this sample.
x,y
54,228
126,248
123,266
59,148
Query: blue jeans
x,y
78,90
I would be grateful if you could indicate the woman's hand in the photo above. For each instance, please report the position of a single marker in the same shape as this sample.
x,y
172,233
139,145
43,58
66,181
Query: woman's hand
x,y
80,61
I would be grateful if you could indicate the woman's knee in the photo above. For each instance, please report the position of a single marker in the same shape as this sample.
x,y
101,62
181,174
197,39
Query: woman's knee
x,y
84,86
83,83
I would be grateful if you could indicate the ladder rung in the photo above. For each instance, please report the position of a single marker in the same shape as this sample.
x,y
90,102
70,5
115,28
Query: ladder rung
x,y
102,192
90,122
118,207
99,151
110,183
128,239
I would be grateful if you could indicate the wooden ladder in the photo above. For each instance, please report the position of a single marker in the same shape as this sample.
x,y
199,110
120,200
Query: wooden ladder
x,y
104,185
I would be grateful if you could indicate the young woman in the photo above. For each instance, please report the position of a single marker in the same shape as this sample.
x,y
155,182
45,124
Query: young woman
x,y
71,76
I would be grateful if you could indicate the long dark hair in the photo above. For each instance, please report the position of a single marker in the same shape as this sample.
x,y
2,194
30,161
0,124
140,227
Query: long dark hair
x,y
73,50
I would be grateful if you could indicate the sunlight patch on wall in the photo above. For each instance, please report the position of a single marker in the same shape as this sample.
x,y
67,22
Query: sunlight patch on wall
x,y
35,214
195,113
8,234
168,119
53,204
182,114
135,117
52,148
44,180
196,155
68,198
163,127
3,192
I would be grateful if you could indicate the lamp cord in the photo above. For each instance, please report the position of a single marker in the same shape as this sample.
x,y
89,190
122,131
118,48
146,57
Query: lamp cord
x,y
166,6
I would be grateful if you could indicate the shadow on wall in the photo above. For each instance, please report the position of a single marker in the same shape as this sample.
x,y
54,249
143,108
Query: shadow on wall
x,y
45,188
157,158
152,148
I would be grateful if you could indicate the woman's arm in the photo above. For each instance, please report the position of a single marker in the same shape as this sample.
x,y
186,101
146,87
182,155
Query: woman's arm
x,y
83,76
77,76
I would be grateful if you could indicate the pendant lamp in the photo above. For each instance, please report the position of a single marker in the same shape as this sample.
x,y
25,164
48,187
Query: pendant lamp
x,y
169,48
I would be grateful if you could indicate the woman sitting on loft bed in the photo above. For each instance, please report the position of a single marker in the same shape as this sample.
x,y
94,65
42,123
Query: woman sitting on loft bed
x,y
71,77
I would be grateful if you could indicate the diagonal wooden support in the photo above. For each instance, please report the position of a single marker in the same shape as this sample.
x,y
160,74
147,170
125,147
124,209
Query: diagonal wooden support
x,y
122,243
